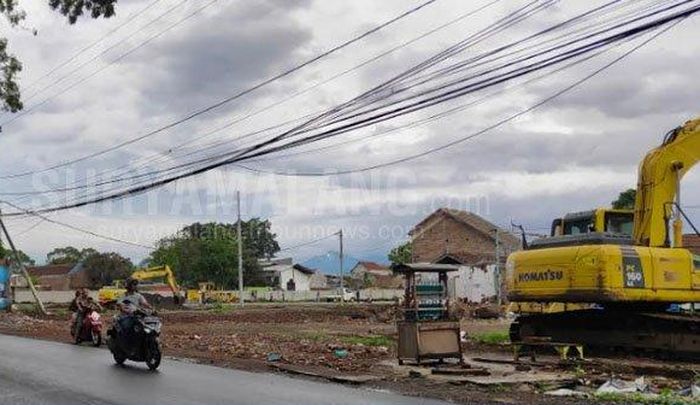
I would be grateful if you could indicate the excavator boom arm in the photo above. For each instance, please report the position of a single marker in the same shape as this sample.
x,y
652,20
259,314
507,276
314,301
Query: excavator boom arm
x,y
659,180
158,272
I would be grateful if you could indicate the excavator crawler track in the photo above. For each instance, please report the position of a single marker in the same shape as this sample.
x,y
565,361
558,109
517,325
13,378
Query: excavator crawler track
x,y
655,333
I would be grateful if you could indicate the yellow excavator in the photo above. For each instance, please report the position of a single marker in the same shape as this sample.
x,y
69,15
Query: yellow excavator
x,y
108,295
619,270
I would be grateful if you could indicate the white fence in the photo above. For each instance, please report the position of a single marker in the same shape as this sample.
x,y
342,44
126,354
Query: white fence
x,y
368,294
374,294
54,297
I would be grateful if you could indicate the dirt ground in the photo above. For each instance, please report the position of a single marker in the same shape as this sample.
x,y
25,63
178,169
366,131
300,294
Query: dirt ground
x,y
356,343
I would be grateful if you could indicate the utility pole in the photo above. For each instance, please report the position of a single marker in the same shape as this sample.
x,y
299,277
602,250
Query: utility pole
x,y
497,275
21,266
240,251
342,289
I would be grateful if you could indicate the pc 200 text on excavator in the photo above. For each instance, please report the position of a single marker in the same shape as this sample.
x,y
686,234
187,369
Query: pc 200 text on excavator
x,y
619,281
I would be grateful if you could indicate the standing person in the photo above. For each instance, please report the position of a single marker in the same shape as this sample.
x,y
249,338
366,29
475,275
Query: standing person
x,y
78,306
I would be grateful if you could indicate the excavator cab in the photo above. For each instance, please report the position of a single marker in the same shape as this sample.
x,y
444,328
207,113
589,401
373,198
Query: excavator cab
x,y
594,227
601,220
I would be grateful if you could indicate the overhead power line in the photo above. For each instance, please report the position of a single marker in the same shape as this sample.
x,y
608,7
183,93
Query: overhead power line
x,y
128,172
229,98
334,122
309,242
478,133
75,228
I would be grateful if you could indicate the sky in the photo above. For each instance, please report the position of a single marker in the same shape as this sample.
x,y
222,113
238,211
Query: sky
x,y
148,68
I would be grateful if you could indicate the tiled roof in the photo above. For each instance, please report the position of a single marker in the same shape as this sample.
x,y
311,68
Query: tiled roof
x,y
50,270
372,266
472,220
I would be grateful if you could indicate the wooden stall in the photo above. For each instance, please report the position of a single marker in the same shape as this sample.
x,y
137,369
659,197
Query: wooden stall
x,y
427,330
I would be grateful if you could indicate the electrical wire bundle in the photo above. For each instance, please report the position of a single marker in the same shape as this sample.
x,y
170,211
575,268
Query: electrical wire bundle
x,y
436,87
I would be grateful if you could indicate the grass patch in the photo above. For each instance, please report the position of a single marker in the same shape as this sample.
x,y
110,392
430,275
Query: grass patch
x,y
61,312
372,340
641,399
491,338
220,308
316,336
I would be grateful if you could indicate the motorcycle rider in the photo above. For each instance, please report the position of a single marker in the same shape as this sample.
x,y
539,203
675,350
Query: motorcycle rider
x,y
129,304
92,305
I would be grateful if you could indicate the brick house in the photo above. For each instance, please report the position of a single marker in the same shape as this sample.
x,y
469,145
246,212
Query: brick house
x,y
370,274
692,243
450,236
372,268
58,277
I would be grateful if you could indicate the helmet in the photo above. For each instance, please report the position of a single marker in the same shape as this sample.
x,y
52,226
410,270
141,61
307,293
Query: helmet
x,y
131,283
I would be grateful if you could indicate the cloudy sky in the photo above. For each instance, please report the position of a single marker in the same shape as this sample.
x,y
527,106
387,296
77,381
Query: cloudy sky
x,y
149,68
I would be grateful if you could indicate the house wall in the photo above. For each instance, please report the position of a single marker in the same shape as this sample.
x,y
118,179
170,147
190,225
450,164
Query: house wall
x,y
318,281
54,282
301,280
446,236
692,243
473,283
79,280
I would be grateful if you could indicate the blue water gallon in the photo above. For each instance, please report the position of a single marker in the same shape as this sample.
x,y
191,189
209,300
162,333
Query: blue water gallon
x,y
5,301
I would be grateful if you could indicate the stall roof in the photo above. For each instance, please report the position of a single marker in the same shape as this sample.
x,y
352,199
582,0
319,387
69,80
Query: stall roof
x,y
424,267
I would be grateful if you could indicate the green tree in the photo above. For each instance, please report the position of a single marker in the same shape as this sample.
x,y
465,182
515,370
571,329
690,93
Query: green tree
x,y
625,201
209,252
401,254
103,268
10,66
257,235
68,255
23,257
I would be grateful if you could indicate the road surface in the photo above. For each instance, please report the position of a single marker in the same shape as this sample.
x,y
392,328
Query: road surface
x,y
41,372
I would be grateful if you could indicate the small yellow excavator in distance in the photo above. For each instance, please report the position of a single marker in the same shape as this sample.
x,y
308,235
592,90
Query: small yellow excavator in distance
x,y
108,295
628,277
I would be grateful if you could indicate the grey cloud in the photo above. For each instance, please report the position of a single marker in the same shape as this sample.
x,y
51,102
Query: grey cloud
x,y
223,54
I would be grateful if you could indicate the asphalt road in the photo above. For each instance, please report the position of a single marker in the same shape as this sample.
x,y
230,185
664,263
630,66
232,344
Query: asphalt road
x,y
40,372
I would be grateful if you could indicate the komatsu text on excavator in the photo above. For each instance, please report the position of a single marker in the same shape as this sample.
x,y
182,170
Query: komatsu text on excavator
x,y
622,269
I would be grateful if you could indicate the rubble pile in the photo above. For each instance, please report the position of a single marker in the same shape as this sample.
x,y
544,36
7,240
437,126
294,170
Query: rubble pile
x,y
327,351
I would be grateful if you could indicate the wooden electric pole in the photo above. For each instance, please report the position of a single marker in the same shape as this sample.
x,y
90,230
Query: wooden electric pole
x,y
240,251
342,284
497,275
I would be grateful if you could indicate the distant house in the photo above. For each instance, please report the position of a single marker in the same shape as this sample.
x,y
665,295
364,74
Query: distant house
x,y
372,268
58,277
451,236
281,274
370,274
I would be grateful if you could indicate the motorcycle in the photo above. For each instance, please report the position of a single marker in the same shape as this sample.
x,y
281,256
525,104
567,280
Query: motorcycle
x,y
90,330
140,344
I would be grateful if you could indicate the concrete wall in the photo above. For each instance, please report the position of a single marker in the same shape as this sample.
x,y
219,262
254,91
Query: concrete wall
x,y
376,294
473,283
302,281
56,297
